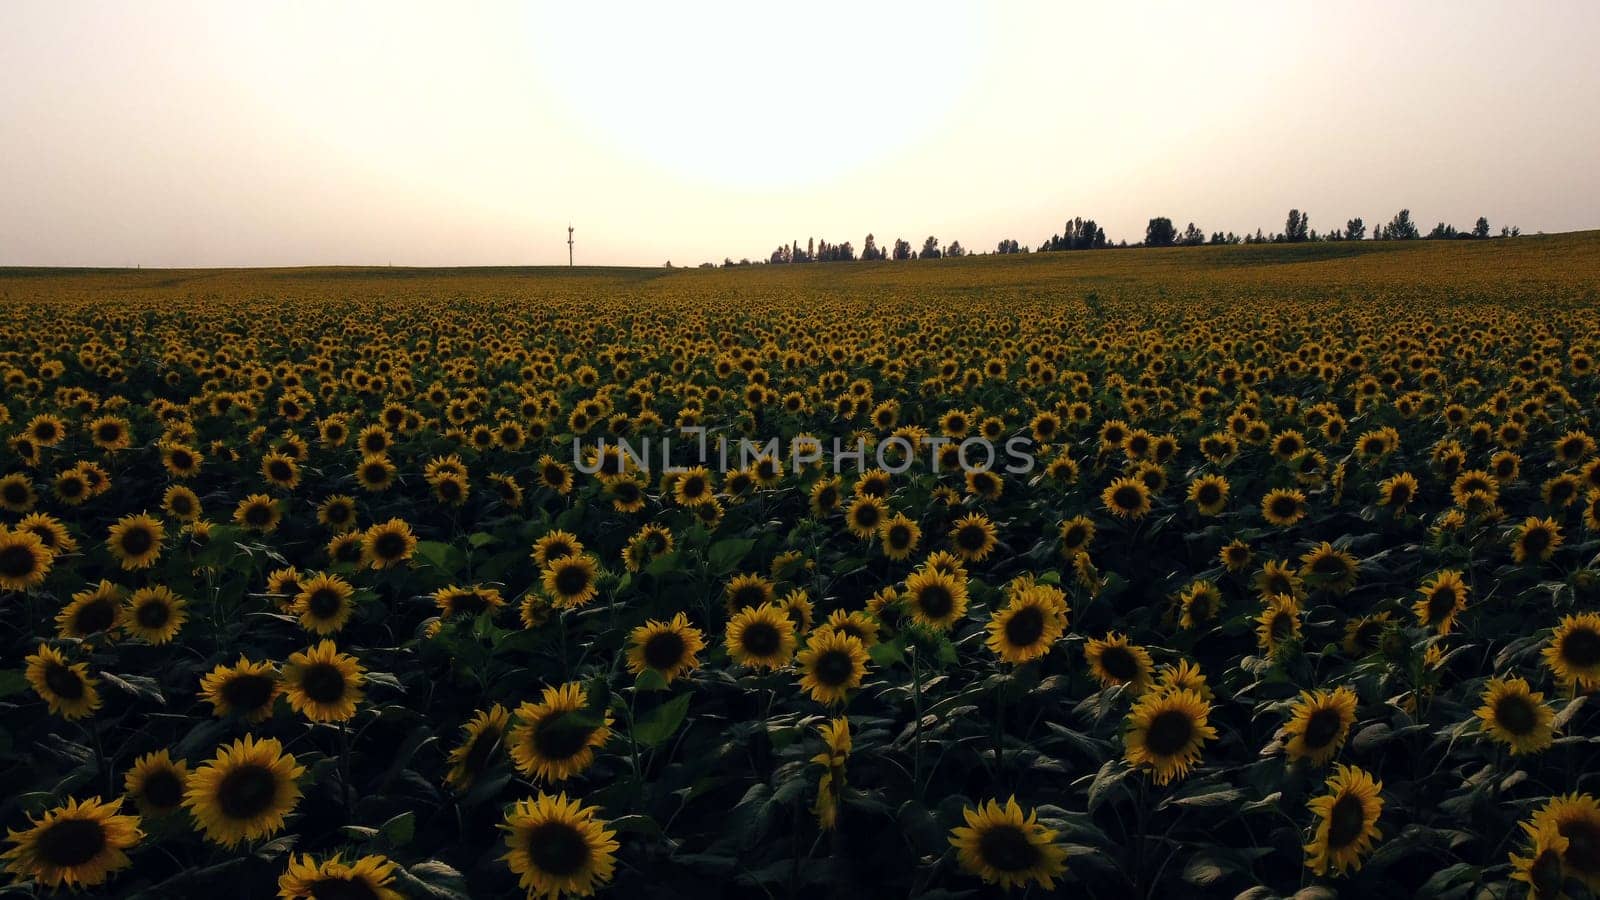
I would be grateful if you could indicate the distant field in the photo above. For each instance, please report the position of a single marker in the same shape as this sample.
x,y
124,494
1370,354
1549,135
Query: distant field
x,y
1283,581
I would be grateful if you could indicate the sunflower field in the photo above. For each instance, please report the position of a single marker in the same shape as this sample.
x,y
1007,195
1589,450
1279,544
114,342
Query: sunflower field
x,y
319,583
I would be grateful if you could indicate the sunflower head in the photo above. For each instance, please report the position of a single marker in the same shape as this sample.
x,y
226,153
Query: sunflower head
x,y
323,684
831,665
1008,848
669,648
244,792
156,783
1319,722
1347,821
761,637
556,738
1166,731
558,846
368,877
73,846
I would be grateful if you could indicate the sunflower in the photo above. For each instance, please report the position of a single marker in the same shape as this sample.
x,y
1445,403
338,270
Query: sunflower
x,y
259,513
554,475
831,665
973,537
865,515
71,487
156,783
181,503
1077,535
1327,568
68,689
935,598
180,460
1126,498
900,536
1166,731
246,689
830,787
1235,556
1535,538
323,603
1318,724
555,738
745,590
1113,661
46,430
1278,623
693,487
824,498
367,878
555,545
1443,598
337,513
1198,605
1576,817
484,735
1364,634
1185,676
345,549
388,544
322,683
668,648
1516,716
856,623
1209,494
1278,578
467,601
155,614
24,560
760,637
1347,823
16,493
244,792
1028,625
280,470
93,611
135,540
375,472
1574,651
1005,847
627,495
1283,507
570,581
1543,868
557,846
77,845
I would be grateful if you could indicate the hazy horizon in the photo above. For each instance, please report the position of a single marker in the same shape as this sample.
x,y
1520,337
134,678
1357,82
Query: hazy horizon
x,y
200,135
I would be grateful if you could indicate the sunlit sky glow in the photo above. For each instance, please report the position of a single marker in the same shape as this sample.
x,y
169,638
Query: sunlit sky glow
x,y
220,133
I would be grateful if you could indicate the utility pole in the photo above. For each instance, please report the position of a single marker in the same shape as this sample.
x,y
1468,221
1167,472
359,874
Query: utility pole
x,y
569,245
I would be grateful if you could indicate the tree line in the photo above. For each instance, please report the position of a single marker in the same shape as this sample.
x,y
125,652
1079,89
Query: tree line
x,y
1086,234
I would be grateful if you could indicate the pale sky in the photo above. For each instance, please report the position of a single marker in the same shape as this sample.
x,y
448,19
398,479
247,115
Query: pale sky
x,y
257,134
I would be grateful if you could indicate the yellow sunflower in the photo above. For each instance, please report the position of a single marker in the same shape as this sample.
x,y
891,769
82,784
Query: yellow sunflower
x,y
323,603
830,787
1126,498
1576,817
484,735
974,537
244,792
1543,869
900,536
155,614
1283,507
1535,539
1209,494
1514,715
135,540
557,846
668,648
1006,847
1028,625
1113,660
68,688
1278,624
368,878
831,665
94,611
760,637
1347,825
745,590
1443,598
323,684
74,846
1574,651
1319,723
571,581
388,544
1166,731
156,783
25,560
556,738
936,599
246,689
555,545
1328,568
259,513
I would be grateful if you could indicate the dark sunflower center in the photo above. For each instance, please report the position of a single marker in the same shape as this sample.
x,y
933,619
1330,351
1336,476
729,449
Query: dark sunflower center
x,y
1322,728
258,514
70,487
154,614
1126,497
1441,603
279,470
1025,626
181,505
556,737
1074,536
1581,648
96,615
71,842
1119,663
899,536
247,792
935,601
1515,714
694,487
558,848
750,595
833,668
137,541
827,498
389,545
867,515
348,551
323,682
247,692
470,602
353,888
1007,848
972,537
1545,874
1169,732
16,493
182,460
17,561
1583,845
1535,540
1328,566
1282,626
63,681
162,789
663,650
1346,821
325,603
374,474
761,639
1209,494
572,580
338,513
1284,507
477,758
1400,494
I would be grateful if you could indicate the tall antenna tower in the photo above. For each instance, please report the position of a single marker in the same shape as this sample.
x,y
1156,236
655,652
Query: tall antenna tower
x,y
569,245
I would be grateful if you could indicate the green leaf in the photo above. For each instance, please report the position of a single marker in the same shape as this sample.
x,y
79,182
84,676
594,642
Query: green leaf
x,y
480,539
650,680
12,682
725,555
654,727
443,557
399,830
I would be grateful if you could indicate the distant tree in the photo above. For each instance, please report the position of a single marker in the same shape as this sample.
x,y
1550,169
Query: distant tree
x,y
1401,228
902,249
1481,229
1008,246
869,249
1298,227
1511,231
1160,233
955,249
1355,229
930,248
1192,236
1442,231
